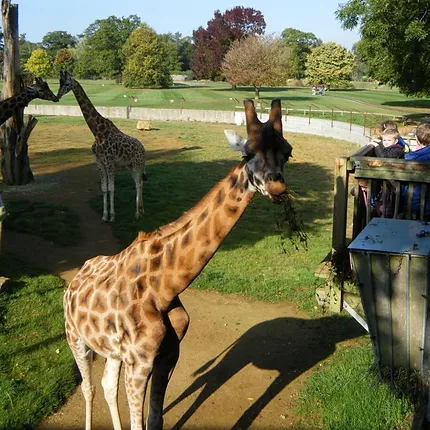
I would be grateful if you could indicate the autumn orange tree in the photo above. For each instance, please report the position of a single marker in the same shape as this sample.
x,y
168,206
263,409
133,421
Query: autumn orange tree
x,y
257,61
64,60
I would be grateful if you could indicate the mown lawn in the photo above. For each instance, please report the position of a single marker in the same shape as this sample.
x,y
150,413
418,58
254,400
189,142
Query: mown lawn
x,y
220,96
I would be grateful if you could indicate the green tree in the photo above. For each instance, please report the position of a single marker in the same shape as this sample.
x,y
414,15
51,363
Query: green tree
x,y
25,49
179,50
300,44
330,64
147,62
39,63
360,70
83,62
257,61
172,54
53,41
104,40
395,41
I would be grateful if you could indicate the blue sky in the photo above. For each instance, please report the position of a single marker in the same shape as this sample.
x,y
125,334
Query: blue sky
x,y
38,17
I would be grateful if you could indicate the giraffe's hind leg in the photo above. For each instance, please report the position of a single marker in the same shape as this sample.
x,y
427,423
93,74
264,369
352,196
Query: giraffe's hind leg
x,y
136,380
104,187
83,356
110,386
137,177
165,362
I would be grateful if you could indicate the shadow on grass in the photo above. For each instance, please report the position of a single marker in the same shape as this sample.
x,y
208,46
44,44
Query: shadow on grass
x,y
413,103
175,185
290,346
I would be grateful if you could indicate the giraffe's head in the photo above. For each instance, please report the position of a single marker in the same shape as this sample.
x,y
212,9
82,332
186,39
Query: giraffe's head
x,y
265,151
66,84
42,91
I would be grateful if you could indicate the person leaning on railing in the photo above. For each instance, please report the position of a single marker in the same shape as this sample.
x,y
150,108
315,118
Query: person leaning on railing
x,y
421,153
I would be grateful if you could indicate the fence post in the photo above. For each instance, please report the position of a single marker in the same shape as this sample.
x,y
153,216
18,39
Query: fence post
x,y
364,124
310,108
350,120
332,113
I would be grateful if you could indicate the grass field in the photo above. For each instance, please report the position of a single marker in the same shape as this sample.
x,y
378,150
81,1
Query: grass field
x,y
220,96
184,162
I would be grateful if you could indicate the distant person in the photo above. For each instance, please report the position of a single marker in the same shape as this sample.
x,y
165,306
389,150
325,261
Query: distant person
x,y
421,153
314,90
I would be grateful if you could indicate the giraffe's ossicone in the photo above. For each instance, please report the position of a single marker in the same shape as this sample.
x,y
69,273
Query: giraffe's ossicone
x,y
126,307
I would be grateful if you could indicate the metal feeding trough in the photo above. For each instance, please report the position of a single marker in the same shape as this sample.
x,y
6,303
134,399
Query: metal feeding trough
x,y
390,260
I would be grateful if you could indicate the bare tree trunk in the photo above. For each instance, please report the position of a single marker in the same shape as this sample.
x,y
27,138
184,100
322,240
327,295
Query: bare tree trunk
x,y
15,164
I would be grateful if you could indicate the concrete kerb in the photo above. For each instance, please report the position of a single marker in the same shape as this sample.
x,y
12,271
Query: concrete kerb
x,y
336,129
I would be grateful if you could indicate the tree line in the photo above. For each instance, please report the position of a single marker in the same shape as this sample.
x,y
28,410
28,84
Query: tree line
x,y
234,47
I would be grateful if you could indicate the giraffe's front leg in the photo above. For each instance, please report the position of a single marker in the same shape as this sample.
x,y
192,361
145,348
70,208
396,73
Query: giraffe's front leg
x,y
104,187
83,357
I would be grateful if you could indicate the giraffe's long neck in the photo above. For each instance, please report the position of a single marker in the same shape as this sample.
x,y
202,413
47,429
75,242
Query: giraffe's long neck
x,y
10,105
174,255
90,113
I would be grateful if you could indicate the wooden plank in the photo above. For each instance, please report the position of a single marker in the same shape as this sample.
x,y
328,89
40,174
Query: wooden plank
x,y
382,296
417,291
340,204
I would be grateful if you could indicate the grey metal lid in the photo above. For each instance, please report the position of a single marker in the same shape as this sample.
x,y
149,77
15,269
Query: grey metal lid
x,y
394,236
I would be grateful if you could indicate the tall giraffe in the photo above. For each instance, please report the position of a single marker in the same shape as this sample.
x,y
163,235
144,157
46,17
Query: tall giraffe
x,y
112,147
39,90
126,307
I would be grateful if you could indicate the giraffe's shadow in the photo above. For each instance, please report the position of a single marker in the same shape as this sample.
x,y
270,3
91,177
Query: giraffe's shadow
x,y
288,345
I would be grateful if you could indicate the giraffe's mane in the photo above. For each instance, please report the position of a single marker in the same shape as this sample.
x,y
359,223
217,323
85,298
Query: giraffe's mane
x,y
184,219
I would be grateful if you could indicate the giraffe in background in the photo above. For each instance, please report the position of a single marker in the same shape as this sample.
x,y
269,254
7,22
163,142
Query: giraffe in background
x,y
126,307
39,90
112,148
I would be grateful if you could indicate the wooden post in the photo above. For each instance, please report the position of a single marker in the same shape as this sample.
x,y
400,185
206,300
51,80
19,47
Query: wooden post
x,y
14,149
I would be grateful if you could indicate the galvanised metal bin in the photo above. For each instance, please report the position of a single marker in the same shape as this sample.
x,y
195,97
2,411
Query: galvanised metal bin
x,y
390,260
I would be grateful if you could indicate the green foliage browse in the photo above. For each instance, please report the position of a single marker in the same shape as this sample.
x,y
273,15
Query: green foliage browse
x,y
395,41
329,64
147,63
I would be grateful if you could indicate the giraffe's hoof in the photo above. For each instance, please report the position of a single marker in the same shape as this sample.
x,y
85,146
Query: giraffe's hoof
x,y
104,218
112,218
138,214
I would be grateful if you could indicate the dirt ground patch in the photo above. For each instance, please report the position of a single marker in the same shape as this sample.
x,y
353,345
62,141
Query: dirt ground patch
x,y
242,362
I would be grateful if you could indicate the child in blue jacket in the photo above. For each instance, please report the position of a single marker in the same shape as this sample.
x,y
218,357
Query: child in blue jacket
x,y
421,153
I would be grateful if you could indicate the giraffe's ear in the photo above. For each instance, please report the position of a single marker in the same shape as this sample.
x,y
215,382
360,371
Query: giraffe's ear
x,y
237,142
